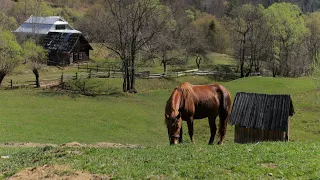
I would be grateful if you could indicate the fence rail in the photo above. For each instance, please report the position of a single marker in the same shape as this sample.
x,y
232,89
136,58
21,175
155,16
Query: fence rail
x,y
85,71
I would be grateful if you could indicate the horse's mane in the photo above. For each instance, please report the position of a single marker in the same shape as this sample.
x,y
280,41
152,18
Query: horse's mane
x,y
188,96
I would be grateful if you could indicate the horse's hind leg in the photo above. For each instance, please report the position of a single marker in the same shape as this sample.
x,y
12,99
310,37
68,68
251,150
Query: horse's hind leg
x,y
213,128
222,127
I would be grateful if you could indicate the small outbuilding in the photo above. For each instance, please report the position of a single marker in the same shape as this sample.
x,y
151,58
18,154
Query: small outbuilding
x,y
66,48
261,117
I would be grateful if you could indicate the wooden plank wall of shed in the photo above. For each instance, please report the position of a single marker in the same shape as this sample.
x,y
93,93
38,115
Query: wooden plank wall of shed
x,y
250,135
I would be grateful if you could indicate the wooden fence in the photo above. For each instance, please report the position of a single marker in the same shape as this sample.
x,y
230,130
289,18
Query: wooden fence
x,y
111,70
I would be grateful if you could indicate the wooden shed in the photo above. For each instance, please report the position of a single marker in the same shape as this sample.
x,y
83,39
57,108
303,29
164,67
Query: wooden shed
x,y
66,48
261,117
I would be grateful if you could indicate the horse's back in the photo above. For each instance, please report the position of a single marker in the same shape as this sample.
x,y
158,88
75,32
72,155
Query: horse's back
x,y
207,100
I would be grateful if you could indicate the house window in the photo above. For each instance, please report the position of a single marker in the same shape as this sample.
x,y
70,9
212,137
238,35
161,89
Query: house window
x,y
80,56
75,56
60,27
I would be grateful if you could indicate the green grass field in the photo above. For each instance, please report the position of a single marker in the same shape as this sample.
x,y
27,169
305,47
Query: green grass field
x,y
58,117
299,160
44,116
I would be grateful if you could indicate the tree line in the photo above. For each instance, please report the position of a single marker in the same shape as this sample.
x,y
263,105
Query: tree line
x,y
280,39
263,36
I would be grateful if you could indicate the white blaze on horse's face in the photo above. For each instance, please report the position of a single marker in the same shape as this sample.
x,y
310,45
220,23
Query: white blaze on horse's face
x,y
174,123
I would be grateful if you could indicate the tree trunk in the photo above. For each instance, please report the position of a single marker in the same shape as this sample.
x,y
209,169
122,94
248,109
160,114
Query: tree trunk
x,y
164,67
128,79
243,55
124,68
2,75
287,63
273,70
164,62
36,73
198,61
133,77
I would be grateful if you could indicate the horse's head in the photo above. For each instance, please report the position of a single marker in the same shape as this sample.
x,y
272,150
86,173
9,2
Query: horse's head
x,y
174,123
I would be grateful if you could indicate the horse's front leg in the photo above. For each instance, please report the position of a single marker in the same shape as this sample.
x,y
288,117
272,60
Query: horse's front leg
x,y
180,135
190,129
213,128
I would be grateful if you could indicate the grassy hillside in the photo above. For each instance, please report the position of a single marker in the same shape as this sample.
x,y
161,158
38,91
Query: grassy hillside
x,y
230,161
57,117
45,116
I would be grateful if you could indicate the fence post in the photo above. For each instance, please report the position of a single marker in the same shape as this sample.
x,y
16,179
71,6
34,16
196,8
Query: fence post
x,y
11,84
62,81
76,75
90,73
97,68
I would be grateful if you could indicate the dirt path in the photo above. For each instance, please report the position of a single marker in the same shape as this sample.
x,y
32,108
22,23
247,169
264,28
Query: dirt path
x,y
57,172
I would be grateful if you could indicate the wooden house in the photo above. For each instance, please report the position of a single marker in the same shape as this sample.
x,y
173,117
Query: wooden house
x,y
261,117
66,48
65,45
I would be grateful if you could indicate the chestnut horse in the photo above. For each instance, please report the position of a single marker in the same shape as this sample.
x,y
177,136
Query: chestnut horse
x,y
188,102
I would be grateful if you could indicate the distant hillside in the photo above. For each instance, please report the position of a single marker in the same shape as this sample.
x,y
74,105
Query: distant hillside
x,y
220,7
216,7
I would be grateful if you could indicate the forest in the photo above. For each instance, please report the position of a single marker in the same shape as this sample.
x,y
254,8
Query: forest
x,y
272,37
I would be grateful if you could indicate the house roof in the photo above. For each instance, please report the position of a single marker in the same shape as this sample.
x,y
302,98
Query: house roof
x,y
62,41
44,25
44,20
261,111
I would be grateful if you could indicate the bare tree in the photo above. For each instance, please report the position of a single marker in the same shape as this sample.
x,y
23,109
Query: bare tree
x,y
166,48
35,57
167,45
241,24
129,25
250,33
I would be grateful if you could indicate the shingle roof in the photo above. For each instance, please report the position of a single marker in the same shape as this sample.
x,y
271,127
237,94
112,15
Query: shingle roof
x,y
61,41
261,111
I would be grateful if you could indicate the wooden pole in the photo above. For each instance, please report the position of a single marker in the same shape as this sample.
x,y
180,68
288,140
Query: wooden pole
x,y
62,81
11,84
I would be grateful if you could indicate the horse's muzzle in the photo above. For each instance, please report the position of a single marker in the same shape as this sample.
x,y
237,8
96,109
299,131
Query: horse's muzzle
x,y
174,139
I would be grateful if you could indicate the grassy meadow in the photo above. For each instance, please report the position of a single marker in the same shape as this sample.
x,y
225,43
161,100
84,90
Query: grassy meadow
x,y
52,116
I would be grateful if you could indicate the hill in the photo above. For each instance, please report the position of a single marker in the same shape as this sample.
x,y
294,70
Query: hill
x,y
230,161
59,117
47,117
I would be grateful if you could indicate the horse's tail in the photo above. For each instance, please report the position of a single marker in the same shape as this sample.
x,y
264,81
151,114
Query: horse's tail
x,y
225,102
224,110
